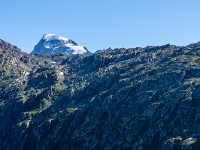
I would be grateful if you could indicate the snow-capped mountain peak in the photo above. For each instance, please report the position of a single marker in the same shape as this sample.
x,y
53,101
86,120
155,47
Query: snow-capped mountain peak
x,y
50,37
52,43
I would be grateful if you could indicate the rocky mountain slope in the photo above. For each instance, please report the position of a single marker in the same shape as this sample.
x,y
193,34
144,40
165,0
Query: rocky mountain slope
x,y
103,50
52,44
137,98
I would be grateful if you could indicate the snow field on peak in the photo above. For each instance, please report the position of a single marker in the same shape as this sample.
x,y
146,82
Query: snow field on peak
x,y
52,43
50,37
76,49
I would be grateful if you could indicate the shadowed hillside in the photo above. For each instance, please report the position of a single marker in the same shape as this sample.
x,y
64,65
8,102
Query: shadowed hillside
x,y
137,98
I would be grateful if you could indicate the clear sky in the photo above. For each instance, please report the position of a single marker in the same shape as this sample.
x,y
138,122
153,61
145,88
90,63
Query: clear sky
x,y
99,24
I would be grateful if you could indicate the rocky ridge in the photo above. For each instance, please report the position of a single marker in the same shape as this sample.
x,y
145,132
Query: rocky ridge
x,y
137,98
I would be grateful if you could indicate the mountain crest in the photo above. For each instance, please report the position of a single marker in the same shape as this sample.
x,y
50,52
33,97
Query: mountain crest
x,y
52,44
50,37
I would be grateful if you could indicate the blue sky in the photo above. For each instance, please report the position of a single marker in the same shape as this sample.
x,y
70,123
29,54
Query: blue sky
x,y
99,24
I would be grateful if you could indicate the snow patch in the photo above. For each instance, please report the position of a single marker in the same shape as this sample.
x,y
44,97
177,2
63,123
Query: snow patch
x,y
76,49
50,45
61,73
50,37
69,44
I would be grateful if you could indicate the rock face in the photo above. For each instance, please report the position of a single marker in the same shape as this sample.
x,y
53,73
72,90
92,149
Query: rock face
x,y
137,98
103,50
52,44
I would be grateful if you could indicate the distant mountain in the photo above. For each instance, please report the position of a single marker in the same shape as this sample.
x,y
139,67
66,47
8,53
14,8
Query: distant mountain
x,y
52,44
103,50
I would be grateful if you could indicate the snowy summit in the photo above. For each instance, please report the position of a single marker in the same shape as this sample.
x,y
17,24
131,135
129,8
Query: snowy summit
x,y
52,43
50,37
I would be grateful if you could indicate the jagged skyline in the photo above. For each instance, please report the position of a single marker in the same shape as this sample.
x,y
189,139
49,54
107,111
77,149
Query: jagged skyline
x,y
101,24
